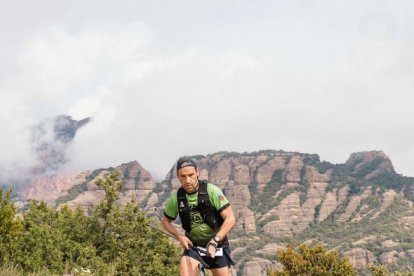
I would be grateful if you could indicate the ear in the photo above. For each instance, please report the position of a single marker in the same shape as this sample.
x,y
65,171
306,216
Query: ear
x,y
197,172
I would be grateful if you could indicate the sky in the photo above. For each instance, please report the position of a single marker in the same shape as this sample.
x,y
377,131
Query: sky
x,y
163,79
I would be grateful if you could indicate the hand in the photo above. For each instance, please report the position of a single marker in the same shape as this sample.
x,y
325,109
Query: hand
x,y
211,248
185,242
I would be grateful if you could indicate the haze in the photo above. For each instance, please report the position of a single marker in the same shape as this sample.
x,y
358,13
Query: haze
x,y
162,79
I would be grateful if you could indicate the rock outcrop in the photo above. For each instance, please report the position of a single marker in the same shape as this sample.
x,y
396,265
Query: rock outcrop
x,y
259,267
360,258
369,164
48,189
138,184
388,257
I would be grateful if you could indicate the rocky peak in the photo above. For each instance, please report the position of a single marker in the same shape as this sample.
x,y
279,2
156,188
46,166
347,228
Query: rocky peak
x,y
369,164
50,140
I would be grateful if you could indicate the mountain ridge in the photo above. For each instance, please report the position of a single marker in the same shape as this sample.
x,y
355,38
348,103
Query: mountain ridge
x,y
282,197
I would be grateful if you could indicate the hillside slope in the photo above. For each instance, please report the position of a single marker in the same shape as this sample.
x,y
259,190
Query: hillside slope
x,y
361,208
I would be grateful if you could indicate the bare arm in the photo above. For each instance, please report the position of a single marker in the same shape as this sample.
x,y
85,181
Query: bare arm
x,y
228,223
184,241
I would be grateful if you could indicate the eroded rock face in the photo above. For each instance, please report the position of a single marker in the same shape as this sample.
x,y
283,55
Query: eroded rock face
x,y
139,185
265,172
329,205
293,168
370,163
270,249
365,240
313,175
390,243
294,217
360,258
290,217
387,198
354,204
48,189
388,257
221,172
136,177
259,267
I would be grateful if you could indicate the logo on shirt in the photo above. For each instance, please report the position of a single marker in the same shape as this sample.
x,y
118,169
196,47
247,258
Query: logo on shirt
x,y
221,197
195,215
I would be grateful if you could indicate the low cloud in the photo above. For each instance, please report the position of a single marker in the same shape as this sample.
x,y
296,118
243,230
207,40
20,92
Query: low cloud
x,y
329,85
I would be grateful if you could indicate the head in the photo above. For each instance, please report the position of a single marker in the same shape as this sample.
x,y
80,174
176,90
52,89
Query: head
x,y
187,173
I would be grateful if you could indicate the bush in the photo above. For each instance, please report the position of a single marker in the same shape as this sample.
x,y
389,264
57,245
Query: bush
x,y
112,241
315,261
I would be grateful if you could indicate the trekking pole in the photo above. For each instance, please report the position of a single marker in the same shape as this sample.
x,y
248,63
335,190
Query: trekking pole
x,y
162,232
198,249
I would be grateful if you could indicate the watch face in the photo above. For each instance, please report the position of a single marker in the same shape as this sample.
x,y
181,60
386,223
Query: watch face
x,y
217,238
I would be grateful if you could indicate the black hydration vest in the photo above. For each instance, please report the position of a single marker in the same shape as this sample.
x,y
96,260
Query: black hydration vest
x,y
208,212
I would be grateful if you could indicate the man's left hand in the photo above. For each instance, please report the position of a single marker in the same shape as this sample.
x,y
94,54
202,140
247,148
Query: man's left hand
x,y
211,248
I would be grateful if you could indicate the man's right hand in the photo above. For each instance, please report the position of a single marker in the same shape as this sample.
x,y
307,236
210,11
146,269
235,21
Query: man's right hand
x,y
185,242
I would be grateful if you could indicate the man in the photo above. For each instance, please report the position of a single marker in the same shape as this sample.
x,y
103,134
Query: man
x,y
207,218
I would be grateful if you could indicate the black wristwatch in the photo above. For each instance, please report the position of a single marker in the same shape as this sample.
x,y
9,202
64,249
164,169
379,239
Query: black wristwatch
x,y
217,239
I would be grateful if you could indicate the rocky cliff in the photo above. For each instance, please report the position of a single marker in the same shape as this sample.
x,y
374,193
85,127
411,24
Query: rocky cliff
x,y
361,208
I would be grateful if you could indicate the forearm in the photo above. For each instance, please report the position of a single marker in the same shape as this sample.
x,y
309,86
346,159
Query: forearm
x,y
225,228
166,223
227,225
184,241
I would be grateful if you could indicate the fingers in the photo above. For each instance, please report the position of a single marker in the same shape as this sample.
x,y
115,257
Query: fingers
x,y
211,249
188,245
185,242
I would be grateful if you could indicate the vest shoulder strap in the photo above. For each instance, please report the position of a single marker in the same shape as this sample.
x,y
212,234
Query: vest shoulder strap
x,y
207,209
183,209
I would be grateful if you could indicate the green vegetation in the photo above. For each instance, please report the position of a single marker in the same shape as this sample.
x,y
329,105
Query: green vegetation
x,y
315,261
72,193
381,270
78,189
395,181
111,241
10,227
369,167
266,200
332,232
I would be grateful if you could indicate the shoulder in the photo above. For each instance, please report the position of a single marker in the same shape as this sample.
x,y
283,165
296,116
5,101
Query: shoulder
x,y
217,197
213,189
172,198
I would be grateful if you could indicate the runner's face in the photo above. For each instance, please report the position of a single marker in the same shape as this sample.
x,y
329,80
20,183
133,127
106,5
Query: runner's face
x,y
188,177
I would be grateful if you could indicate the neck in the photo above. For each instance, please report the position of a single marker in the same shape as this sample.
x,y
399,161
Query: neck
x,y
196,188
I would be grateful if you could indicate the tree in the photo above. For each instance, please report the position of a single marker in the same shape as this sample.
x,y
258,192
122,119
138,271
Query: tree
x,y
10,227
113,240
315,261
39,244
126,241
381,270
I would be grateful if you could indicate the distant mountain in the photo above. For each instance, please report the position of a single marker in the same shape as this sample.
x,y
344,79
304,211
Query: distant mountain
x,y
362,208
50,139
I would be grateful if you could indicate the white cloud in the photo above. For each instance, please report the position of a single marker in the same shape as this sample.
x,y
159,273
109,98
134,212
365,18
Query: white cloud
x,y
312,77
